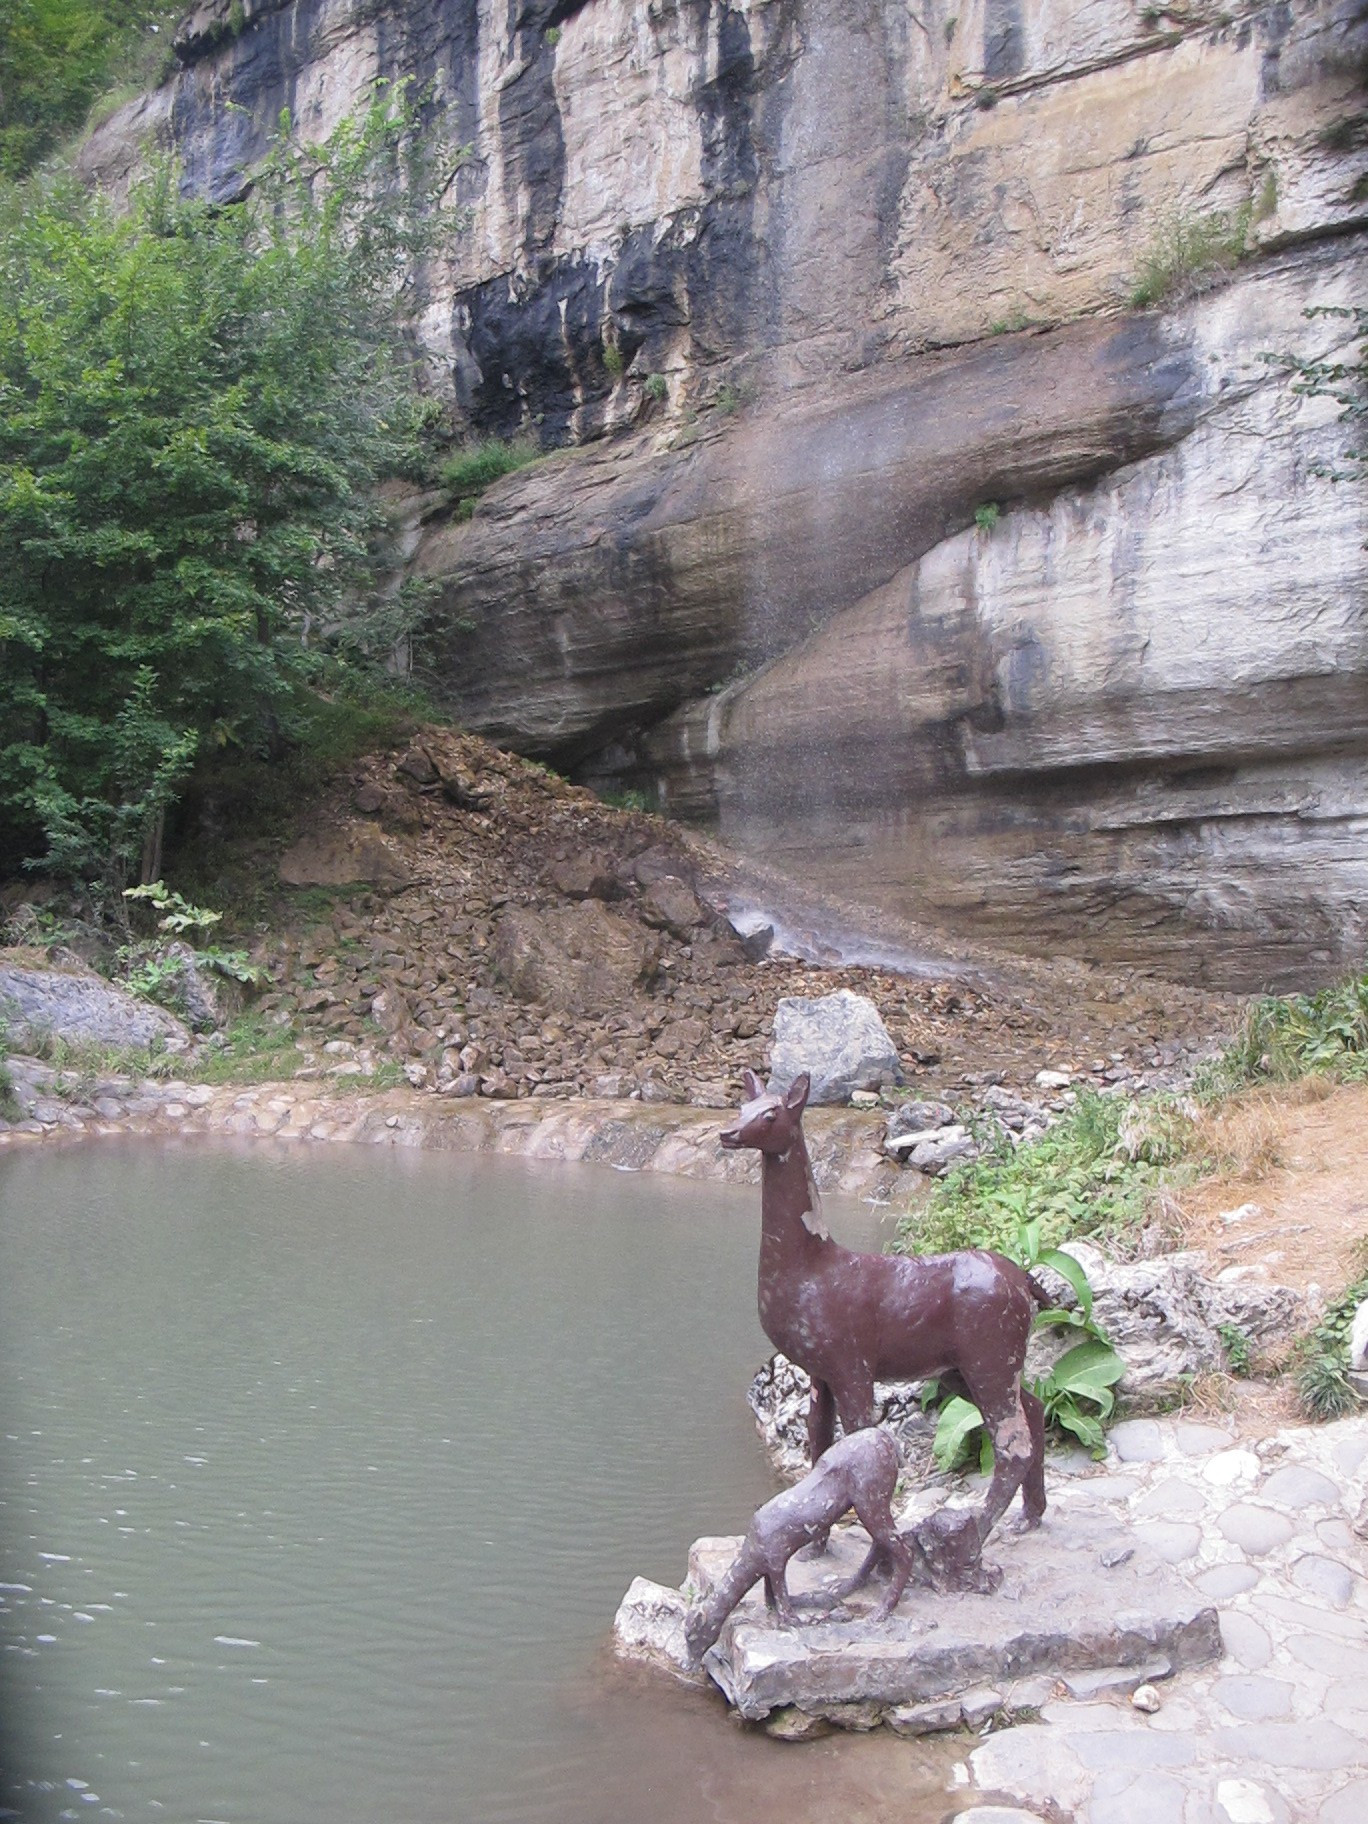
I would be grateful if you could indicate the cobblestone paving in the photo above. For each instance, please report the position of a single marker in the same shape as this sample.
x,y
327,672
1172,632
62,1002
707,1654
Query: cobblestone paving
x,y
1277,1732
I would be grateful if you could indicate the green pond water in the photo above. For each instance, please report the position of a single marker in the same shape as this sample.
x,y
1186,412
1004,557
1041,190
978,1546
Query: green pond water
x,y
323,1473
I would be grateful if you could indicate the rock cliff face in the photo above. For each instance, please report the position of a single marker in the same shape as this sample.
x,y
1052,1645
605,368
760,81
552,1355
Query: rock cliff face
x,y
797,287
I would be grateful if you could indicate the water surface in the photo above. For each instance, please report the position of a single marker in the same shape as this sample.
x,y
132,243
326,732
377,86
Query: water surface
x,y
324,1473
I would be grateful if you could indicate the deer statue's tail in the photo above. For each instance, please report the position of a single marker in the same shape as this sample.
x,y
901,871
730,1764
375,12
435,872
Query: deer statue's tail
x,y
1038,1292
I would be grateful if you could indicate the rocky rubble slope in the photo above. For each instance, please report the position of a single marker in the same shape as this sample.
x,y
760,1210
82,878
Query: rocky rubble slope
x,y
504,933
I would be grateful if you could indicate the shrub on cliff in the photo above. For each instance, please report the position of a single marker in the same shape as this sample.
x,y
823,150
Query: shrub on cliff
x,y
195,405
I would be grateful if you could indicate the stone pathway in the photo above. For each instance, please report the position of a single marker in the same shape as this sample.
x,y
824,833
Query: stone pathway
x,y
1277,1731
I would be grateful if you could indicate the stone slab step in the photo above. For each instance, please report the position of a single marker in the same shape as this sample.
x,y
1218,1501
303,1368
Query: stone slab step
x,y
1070,1602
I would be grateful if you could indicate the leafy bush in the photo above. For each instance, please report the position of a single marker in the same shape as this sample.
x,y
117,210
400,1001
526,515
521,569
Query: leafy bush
x,y
195,405
987,516
1323,1385
57,56
1089,1173
1284,1037
1188,251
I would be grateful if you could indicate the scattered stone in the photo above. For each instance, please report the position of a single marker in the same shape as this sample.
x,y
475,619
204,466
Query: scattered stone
x,y
1358,1339
1253,1699
839,1039
792,1725
1326,1579
1223,1581
1053,1079
1046,1607
1137,1441
1116,1681
579,958
1146,1699
586,876
1256,1530
1297,1487
933,1152
978,1705
924,1719
670,904
1245,1802
909,1120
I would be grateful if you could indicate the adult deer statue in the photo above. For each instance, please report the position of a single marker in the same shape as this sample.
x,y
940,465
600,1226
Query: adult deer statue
x,y
852,1319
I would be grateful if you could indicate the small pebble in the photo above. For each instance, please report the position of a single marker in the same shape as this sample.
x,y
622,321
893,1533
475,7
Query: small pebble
x,y
1146,1698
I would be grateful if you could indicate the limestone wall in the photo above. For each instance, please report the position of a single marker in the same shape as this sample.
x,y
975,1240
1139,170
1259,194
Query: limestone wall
x,y
803,284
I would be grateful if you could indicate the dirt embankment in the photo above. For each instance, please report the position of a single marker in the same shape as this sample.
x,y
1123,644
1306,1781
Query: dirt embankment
x,y
503,933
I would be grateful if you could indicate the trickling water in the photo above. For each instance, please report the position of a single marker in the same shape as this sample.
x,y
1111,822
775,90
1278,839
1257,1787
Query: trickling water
x,y
323,1474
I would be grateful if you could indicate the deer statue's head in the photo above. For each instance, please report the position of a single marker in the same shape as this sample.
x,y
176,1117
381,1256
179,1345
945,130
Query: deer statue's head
x,y
769,1123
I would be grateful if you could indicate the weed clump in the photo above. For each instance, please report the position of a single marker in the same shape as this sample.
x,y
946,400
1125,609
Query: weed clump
x,y
1188,252
472,470
1098,1170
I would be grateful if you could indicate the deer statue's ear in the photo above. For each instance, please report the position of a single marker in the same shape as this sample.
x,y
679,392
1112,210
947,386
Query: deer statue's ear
x,y
796,1099
754,1087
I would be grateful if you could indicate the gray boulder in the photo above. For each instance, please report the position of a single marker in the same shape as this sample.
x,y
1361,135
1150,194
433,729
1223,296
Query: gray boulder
x,y
1164,1316
909,1119
839,1039
81,1007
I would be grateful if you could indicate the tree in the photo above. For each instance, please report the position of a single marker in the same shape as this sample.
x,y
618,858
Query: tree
x,y
56,56
195,406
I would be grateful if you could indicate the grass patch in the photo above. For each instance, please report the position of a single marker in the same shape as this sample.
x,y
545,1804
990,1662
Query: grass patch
x,y
1097,1171
472,470
253,1051
1188,251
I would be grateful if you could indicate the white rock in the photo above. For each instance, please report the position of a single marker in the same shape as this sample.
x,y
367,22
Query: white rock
x,y
1053,1079
1358,1338
1146,1698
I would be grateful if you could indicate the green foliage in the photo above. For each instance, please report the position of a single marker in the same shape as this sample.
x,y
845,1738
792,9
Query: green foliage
x,y
987,516
1076,1393
1323,1385
1284,1037
57,56
1189,250
613,360
1238,1347
177,914
657,388
627,799
253,1050
478,466
728,399
9,1106
195,405
1079,1178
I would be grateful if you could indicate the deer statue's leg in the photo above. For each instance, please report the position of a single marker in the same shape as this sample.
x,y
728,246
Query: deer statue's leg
x,y
1033,1488
828,1598
1013,1450
821,1421
777,1583
853,1399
